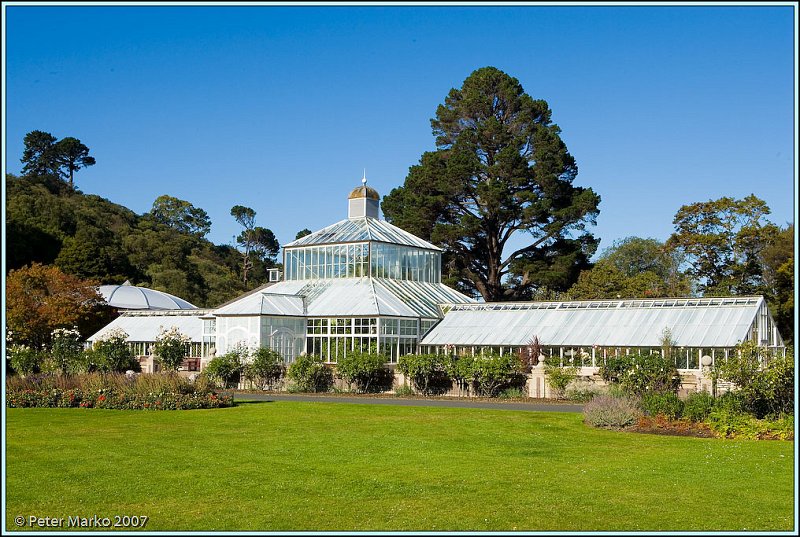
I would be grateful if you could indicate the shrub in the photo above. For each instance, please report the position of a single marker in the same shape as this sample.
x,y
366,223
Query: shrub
x,y
736,425
226,370
67,350
583,395
24,359
309,374
650,373
112,354
427,372
171,347
492,372
734,402
610,412
615,367
266,369
559,378
366,370
404,391
765,383
663,404
460,369
511,393
698,406
777,386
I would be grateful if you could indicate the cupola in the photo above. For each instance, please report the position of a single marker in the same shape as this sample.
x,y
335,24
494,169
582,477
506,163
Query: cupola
x,y
363,201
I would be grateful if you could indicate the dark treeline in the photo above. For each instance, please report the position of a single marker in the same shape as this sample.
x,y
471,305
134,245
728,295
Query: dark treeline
x,y
50,222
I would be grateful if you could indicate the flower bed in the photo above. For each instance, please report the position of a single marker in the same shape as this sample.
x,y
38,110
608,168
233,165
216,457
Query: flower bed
x,y
119,392
57,398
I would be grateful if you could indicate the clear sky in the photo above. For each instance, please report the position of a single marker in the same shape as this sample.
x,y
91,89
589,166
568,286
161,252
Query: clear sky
x,y
281,108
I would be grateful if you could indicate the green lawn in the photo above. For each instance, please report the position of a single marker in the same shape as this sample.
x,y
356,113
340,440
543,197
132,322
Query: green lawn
x,y
335,466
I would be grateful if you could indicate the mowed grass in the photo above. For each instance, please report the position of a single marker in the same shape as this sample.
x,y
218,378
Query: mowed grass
x,y
277,466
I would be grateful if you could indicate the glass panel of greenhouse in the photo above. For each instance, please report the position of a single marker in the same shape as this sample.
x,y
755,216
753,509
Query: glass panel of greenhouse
x,y
355,260
285,335
585,333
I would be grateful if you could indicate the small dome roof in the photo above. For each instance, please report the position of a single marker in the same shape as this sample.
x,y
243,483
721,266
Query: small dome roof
x,y
131,297
364,191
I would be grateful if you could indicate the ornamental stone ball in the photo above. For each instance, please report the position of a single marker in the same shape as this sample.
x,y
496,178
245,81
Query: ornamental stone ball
x,y
705,360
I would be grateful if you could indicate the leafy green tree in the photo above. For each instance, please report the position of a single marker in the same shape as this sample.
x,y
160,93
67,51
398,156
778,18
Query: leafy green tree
x,y
257,242
302,233
94,253
246,217
633,268
777,261
500,171
265,245
722,240
44,155
39,155
71,155
26,244
181,215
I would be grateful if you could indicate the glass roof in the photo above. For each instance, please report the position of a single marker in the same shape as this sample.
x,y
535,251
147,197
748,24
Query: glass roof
x,y
131,297
349,297
145,326
613,323
361,230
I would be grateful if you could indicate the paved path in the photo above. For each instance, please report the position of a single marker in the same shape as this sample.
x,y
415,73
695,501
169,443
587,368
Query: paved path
x,y
398,401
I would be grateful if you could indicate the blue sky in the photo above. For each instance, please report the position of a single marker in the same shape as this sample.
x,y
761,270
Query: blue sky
x,y
281,108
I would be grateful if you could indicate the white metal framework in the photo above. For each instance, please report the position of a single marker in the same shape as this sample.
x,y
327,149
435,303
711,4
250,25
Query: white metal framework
x,y
590,330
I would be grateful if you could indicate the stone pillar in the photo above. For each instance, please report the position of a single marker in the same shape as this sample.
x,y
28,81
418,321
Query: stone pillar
x,y
704,380
537,380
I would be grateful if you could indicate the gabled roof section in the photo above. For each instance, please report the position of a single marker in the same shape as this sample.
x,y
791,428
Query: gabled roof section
x,y
348,297
265,303
362,230
705,322
146,325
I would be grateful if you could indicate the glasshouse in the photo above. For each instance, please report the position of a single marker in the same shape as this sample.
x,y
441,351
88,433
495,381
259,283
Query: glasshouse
x,y
359,283
365,283
584,333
